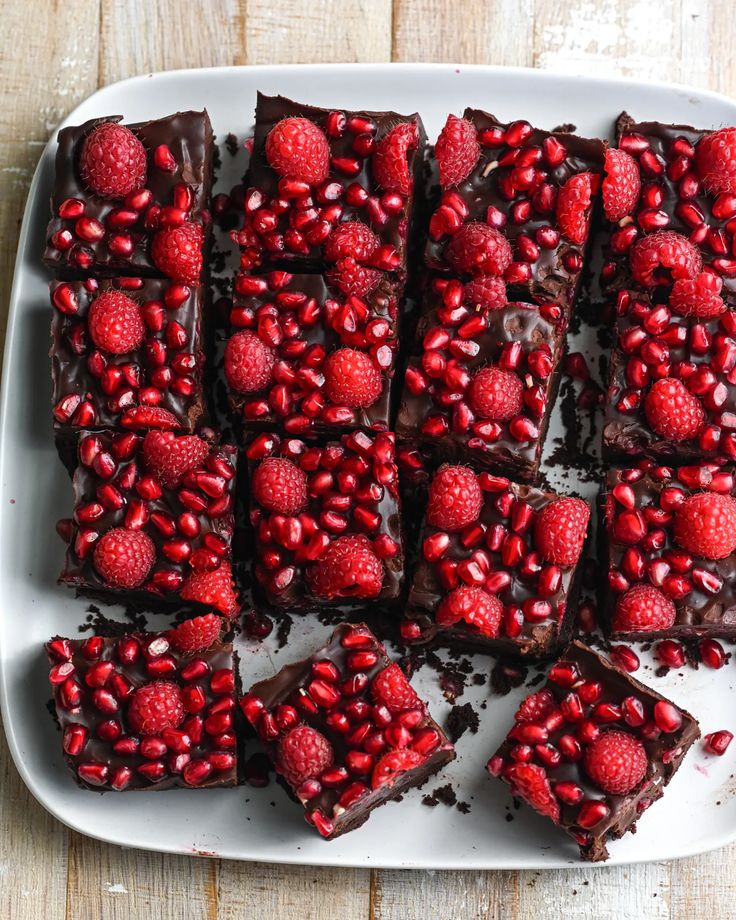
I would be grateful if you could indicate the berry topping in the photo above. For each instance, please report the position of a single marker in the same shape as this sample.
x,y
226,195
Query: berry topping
x,y
352,239
560,530
115,323
478,249
530,782
197,634
705,524
248,363
393,764
474,606
149,417
297,149
113,161
347,568
535,707
673,411
392,690
279,485
664,257
352,378
213,589
177,252
486,292
495,394
457,150
455,498
573,207
169,456
304,753
354,279
715,161
390,164
155,707
643,609
621,185
123,558
700,296
616,762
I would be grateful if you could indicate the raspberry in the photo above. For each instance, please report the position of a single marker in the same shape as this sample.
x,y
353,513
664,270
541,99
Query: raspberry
x,y
392,690
154,707
248,363
475,606
394,764
297,148
486,292
279,485
304,753
621,185
113,161
353,279
705,525
213,589
616,762
454,499
353,239
573,207
560,529
123,558
177,252
643,609
535,707
715,161
115,323
197,634
478,249
530,782
495,394
457,150
169,456
148,417
390,162
673,411
700,296
352,378
664,257
347,568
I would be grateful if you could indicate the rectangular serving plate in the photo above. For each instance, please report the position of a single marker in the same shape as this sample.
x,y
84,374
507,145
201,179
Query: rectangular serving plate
x,y
698,811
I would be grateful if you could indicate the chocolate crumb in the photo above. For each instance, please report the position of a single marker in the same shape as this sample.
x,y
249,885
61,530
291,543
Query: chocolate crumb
x,y
461,719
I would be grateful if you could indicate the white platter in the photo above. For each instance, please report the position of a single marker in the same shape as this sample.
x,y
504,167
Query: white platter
x,y
698,811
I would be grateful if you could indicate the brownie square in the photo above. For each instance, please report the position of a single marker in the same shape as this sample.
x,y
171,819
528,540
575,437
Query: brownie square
x,y
113,234
499,566
593,749
346,731
145,710
326,521
153,521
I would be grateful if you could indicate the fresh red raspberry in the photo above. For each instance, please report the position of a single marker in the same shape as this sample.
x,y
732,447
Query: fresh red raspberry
x,y
705,525
197,634
495,394
475,606
177,252
115,323
354,279
664,257
154,707
352,378
621,185
303,753
699,296
297,148
213,589
478,249
113,161
123,558
673,411
352,239
455,498
643,609
530,782
391,689
616,762
347,568
280,485
169,456
457,150
486,292
390,160
573,207
560,529
535,707
148,417
715,161
248,363
393,764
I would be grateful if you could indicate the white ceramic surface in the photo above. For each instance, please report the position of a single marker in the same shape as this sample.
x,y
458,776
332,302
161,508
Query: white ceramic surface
x,y
699,808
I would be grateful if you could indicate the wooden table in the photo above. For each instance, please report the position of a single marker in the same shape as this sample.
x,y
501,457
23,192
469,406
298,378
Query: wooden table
x,y
55,53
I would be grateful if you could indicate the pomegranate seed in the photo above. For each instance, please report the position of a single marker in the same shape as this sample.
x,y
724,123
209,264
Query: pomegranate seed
x,y
717,742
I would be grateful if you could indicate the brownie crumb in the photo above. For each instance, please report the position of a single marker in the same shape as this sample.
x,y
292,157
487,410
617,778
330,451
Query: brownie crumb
x,y
231,144
443,795
461,719
463,807
505,676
